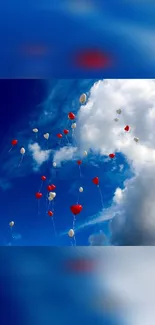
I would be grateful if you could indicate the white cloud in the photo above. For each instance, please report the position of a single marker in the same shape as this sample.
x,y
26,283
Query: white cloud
x,y
97,239
96,129
39,155
64,154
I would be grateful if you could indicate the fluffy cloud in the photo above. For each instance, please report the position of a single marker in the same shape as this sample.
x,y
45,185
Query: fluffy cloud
x,y
98,239
134,207
64,154
39,156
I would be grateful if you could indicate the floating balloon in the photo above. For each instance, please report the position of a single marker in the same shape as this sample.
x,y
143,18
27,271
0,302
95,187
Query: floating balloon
x,y
35,130
111,155
22,151
59,135
79,162
54,164
136,139
83,98
43,178
95,180
49,188
71,233
119,111
14,142
85,153
52,194
127,128
39,195
53,187
46,136
50,213
11,224
73,126
116,119
71,116
65,131
76,209
81,189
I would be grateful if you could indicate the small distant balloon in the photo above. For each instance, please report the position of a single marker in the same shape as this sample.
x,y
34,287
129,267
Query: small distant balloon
x,y
85,153
43,178
59,135
81,189
52,194
50,213
65,131
111,155
83,98
71,233
35,130
39,195
116,119
136,139
11,224
71,116
46,136
119,111
22,151
127,128
54,164
95,180
73,126
14,142
79,162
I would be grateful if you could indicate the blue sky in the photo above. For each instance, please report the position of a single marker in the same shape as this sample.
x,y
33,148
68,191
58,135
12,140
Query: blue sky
x,y
45,104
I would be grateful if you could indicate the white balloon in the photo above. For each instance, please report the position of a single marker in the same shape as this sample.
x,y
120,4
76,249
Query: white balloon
x,y
22,151
11,224
50,198
81,189
52,194
46,136
83,98
54,164
85,153
136,139
119,111
71,233
73,126
116,119
35,130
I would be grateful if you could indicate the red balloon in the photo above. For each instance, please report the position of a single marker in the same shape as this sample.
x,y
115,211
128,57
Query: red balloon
x,y
38,195
79,162
43,178
112,155
93,59
71,116
14,142
127,128
66,132
95,180
50,213
49,188
53,187
59,135
76,209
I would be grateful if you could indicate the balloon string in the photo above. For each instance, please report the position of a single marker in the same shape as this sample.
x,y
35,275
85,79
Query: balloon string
x,y
55,232
67,140
101,196
74,219
80,171
10,149
41,186
20,161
